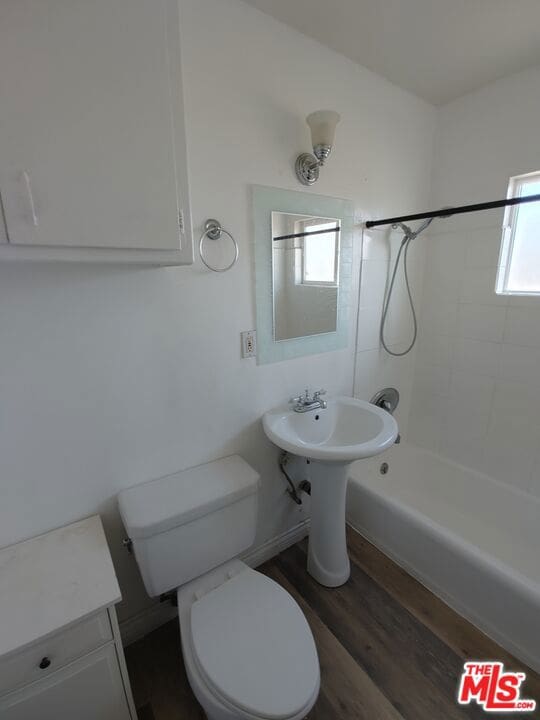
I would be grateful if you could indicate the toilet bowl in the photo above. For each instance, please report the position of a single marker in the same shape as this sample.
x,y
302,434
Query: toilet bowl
x,y
248,650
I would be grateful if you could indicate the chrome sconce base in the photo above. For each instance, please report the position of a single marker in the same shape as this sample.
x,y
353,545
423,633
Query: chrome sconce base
x,y
307,168
307,165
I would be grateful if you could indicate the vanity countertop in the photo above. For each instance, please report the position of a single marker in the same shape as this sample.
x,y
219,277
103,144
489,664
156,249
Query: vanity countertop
x,y
53,580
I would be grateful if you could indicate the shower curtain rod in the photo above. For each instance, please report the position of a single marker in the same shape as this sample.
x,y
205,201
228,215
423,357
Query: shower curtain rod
x,y
447,212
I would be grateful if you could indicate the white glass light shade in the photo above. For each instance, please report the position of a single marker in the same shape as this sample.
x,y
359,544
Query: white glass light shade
x,y
322,124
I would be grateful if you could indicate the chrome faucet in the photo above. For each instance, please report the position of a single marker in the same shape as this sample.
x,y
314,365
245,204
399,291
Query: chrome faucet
x,y
306,402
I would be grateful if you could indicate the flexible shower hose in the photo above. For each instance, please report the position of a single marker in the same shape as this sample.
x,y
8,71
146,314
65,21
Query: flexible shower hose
x,y
403,248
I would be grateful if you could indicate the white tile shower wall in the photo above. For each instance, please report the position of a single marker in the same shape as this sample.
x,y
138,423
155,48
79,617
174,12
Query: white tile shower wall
x,y
476,394
112,376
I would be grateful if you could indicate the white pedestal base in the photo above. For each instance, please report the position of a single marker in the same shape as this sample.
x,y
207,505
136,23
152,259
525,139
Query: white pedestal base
x,y
328,561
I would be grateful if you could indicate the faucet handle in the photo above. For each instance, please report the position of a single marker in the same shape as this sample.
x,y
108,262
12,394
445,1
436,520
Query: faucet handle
x,y
304,398
317,394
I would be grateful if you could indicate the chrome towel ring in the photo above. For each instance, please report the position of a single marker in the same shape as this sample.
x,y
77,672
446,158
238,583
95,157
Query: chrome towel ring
x,y
214,231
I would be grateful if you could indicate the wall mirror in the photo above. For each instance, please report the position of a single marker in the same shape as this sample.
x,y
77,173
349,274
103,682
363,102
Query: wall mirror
x,y
303,255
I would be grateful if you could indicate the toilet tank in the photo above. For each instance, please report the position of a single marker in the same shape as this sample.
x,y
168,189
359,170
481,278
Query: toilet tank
x,y
185,524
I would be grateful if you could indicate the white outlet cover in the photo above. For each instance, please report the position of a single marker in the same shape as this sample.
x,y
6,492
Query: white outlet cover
x,y
249,343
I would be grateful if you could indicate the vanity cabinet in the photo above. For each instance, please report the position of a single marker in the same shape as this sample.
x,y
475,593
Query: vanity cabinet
x,y
93,162
60,650
88,689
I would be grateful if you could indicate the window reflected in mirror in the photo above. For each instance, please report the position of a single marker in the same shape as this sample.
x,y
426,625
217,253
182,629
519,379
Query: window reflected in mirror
x,y
305,274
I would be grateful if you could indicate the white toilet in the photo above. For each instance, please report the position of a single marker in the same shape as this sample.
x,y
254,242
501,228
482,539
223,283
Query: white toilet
x,y
248,650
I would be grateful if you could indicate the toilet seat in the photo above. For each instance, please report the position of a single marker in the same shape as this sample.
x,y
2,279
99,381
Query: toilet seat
x,y
253,649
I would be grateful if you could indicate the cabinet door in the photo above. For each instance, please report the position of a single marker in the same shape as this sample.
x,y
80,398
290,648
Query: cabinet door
x,y
92,146
89,689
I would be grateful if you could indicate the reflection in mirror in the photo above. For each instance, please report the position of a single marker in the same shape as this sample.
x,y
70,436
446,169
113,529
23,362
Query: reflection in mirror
x,y
305,274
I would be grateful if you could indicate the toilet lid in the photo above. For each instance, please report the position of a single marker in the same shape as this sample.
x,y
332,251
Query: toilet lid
x,y
254,647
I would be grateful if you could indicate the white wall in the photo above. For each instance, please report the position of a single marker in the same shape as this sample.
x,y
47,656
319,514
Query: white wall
x,y
112,376
477,384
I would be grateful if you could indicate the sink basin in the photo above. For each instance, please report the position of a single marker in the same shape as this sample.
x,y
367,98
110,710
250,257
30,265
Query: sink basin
x,y
330,439
346,430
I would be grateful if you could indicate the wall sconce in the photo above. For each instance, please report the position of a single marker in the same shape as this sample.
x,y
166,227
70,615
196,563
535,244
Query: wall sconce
x,y
323,129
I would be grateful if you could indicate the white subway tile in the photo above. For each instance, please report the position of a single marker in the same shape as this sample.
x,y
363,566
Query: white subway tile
x,y
470,392
462,438
426,420
477,356
376,245
534,485
393,371
464,421
481,322
440,317
446,253
483,248
435,349
432,379
366,364
527,301
517,402
369,320
478,286
373,283
511,449
442,285
519,363
522,326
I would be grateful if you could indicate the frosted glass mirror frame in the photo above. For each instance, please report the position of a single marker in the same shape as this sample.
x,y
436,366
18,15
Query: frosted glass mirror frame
x,y
266,200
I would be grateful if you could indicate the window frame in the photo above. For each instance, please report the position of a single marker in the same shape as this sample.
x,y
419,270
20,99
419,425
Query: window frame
x,y
516,185
301,227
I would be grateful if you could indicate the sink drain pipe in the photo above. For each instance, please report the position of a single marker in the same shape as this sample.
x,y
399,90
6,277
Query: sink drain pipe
x,y
305,485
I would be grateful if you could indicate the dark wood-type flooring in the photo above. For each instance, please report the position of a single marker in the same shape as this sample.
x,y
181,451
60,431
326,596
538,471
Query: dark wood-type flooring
x,y
388,648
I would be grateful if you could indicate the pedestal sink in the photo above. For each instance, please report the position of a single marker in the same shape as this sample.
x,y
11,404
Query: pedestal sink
x,y
330,438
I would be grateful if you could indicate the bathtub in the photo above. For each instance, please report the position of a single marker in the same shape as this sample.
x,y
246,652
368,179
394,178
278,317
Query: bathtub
x,y
471,540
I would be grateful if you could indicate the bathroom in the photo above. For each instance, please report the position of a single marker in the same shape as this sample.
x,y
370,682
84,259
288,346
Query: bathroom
x,y
116,372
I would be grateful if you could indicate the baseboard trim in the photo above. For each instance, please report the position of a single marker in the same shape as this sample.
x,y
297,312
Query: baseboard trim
x,y
139,625
275,545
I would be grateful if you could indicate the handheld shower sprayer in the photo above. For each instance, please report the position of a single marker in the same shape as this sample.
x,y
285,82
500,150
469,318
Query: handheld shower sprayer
x,y
408,236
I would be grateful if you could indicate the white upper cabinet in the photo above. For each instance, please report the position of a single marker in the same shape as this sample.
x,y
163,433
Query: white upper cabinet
x,y
92,143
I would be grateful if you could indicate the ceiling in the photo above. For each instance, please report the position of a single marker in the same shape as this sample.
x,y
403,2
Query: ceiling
x,y
438,49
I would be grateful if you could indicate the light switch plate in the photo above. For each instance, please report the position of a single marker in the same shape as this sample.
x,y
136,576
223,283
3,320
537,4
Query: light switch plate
x,y
249,343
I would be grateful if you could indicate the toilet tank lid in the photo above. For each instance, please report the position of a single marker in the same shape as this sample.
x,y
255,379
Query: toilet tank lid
x,y
160,505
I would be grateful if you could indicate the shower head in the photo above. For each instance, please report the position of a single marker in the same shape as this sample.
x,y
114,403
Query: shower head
x,y
410,234
406,229
423,226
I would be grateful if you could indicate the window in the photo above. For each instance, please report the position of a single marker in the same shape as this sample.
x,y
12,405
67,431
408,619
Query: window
x,y
519,263
320,253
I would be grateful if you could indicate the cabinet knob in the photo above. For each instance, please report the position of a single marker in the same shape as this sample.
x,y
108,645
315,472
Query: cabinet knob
x,y
44,664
